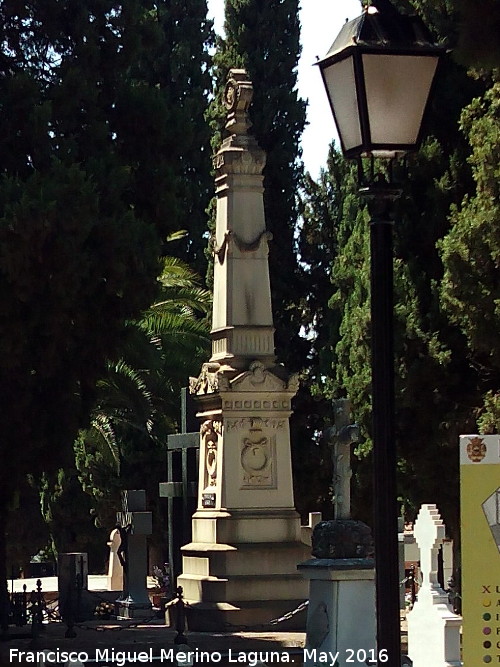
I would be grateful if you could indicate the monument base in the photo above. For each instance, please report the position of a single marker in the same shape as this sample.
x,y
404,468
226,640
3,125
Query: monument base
x,y
228,578
127,609
245,616
341,614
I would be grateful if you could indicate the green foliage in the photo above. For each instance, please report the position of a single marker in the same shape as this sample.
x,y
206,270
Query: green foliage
x,y
469,27
104,152
479,27
25,538
65,263
471,253
67,513
138,399
435,384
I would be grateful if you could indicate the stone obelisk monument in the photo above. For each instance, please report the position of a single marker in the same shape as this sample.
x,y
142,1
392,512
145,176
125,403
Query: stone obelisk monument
x,y
241,566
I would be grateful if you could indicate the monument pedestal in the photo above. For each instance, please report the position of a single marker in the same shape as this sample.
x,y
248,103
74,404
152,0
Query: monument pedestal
x,y
341,613
229,578
241,567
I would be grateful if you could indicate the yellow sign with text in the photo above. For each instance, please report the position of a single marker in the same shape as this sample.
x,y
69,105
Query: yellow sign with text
x,y
480,528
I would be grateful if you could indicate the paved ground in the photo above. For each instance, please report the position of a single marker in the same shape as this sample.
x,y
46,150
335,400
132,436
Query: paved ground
x,y
153,638
135,637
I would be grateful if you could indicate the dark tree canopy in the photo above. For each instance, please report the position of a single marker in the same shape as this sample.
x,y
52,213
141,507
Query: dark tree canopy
x,y
104,152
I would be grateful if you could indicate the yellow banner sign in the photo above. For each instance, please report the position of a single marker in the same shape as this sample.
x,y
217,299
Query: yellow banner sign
x,y
480,528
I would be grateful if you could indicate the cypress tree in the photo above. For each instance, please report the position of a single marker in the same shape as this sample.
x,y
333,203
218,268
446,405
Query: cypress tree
x,y
471,256
435,396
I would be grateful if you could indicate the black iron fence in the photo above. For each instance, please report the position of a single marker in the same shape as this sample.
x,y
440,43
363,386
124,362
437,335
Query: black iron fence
x,y
28,608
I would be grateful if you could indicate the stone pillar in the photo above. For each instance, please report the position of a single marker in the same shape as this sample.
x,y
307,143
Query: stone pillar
x,y
242,321
241,565
341,614
342,574
433,627
135,523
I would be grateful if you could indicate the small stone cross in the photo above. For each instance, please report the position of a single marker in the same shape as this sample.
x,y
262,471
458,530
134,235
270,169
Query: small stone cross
x,y
429,532
342,436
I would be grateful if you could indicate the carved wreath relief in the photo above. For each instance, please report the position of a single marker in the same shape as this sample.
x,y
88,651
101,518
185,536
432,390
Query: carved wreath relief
x,y
210,432
258,456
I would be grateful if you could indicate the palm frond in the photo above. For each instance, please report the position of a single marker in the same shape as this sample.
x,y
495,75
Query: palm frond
x,y
102,436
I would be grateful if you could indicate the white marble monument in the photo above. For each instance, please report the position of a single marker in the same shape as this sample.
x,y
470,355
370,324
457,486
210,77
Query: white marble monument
x,y
241,565
433,627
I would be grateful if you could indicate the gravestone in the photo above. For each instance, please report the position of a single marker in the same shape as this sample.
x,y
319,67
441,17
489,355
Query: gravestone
x,y
134,523
115,568
433,627
72,581
341,576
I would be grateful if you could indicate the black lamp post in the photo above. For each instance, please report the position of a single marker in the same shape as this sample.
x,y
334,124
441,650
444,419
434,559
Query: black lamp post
x,y
378,76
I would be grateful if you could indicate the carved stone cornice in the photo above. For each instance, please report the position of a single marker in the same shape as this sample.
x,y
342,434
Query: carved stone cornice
x,y
239,155
257,379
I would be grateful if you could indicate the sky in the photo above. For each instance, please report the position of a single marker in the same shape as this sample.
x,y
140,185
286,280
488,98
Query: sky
x,y
321,21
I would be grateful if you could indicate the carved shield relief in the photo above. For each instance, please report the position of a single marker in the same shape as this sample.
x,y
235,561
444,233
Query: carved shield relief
x,y
258,458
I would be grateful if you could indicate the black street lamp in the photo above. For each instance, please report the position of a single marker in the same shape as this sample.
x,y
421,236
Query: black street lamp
x,y
378,76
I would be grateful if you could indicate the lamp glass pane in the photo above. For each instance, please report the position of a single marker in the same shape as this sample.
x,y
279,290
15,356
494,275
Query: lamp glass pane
x,y
341,87
397,88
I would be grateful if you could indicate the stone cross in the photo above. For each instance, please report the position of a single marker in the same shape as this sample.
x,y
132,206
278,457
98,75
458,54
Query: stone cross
x,y
342,435
429,532
180,492
134,523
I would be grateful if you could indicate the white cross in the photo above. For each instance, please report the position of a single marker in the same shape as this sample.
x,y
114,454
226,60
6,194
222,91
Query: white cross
x,y
429,531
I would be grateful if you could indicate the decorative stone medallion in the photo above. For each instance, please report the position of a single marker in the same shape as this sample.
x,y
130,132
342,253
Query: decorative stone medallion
x,y
258,456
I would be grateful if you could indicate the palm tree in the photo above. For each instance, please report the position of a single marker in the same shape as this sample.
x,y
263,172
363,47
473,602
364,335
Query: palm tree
x,y
138,400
